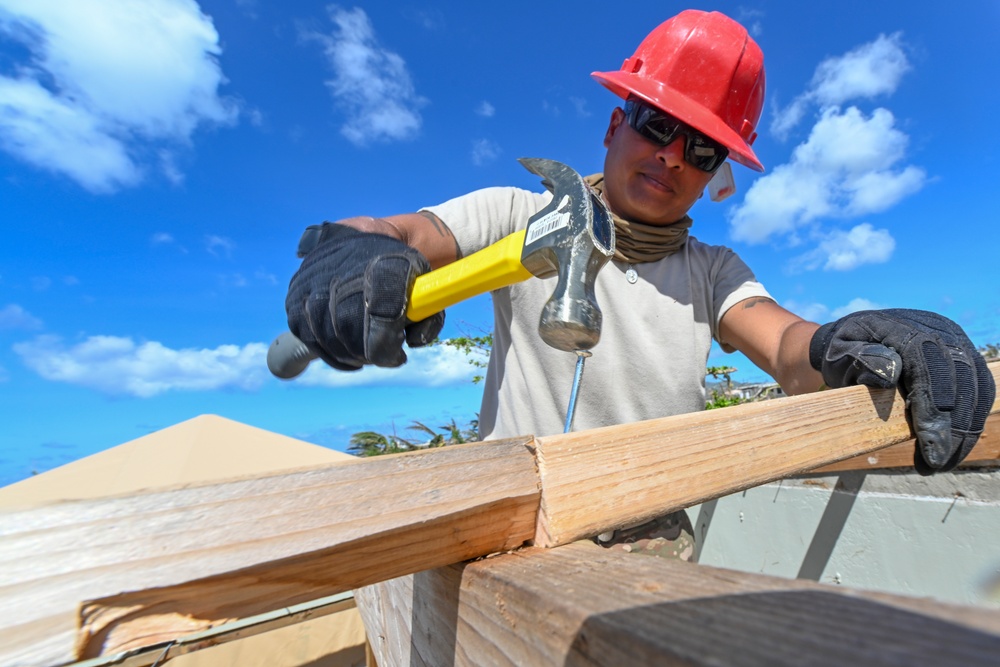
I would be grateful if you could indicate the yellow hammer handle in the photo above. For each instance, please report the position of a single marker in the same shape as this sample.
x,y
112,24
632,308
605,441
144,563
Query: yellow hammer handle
x,y
491,268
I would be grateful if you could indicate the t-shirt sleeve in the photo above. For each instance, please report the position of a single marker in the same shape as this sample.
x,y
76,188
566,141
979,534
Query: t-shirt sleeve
x,y
483,217
733,281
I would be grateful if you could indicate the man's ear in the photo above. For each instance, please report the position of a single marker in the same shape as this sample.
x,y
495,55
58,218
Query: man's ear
x,y
617,116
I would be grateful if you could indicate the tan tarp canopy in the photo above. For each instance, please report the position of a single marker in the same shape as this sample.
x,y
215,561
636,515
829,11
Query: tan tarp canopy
x,y
204,449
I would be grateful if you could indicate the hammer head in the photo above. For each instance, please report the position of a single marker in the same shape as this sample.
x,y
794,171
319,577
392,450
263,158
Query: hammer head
x,y
572,238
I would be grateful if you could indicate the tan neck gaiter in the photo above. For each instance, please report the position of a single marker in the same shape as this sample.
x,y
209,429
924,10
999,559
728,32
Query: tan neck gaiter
x,y
638,242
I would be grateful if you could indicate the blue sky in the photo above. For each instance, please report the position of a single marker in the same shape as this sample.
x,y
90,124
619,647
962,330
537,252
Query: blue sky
x,y
159,159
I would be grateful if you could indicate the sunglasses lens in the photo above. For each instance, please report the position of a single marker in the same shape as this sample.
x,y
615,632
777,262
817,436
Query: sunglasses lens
x,y
661,128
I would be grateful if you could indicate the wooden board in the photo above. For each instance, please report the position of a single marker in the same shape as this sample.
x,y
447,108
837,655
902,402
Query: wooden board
x,y
136,570
155,566
986,452
583,605
596,480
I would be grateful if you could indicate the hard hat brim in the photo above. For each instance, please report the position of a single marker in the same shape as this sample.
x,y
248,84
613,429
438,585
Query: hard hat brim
x,y
679,105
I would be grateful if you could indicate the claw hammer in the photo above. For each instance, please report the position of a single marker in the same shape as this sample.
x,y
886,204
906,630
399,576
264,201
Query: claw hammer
x,y
572,238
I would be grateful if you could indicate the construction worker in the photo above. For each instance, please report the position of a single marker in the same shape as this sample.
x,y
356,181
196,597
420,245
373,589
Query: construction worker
x,y
693,93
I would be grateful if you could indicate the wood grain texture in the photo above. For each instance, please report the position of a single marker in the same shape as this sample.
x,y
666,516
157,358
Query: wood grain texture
x,y
986,452
606,478
582,605
140,569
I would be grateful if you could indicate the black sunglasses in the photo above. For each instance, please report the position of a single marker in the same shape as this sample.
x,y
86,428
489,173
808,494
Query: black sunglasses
x,y
661,128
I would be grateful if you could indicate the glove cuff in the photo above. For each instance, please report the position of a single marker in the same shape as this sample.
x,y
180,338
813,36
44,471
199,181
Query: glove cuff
x,y
819,344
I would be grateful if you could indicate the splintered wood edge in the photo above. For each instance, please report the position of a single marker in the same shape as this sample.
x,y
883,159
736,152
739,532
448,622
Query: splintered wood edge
x,y
144,548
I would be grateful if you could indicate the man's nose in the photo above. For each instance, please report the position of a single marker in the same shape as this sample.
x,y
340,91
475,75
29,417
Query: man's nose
x,y
673,153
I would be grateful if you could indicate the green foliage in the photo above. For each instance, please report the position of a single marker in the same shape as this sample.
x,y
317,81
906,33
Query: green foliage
x,y
990,351
370,443
476,348
719,400
722,399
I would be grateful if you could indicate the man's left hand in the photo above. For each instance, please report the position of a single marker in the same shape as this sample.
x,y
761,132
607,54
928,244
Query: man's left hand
x,y
948,388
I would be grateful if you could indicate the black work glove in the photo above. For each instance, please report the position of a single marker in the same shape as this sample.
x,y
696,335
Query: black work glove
x,y
948,388
347,302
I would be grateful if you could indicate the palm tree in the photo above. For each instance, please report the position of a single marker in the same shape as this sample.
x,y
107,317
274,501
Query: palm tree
x,y
457,435
371,443
437,440
368,443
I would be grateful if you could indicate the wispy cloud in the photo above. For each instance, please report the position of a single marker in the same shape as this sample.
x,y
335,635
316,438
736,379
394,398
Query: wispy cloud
x,y
120,366
485,151
818,312
853,306
847,250
431,366
13,316
486,110
220,246
580,105
752,19
116,365
371,84
869,71
851,164
105,81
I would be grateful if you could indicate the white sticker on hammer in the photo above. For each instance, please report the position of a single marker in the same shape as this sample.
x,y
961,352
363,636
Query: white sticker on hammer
x,y
550,222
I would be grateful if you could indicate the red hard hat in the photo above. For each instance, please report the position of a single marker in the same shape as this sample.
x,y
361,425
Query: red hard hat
x,y
704,69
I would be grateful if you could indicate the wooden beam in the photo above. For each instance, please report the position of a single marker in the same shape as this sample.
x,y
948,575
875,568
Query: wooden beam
x,y
596,480
142,569
986,451
137,570
583,605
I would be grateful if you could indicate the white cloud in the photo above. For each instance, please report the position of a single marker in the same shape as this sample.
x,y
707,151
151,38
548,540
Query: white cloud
x,y
847,250
168,165
106,78
868,71
847,167
371,84
430,366
117,366
814,312
13,316
853,306
752,19
486,110
484,151
219,245
818,312
265,276
232,280
161,238
120,366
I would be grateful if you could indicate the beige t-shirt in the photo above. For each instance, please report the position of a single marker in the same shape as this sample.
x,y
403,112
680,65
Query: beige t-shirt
x,y
655,339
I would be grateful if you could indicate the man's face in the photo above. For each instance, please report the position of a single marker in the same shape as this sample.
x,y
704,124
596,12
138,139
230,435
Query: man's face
x,y
647,182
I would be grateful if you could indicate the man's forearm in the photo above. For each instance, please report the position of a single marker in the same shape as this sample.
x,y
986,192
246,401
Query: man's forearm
x,y
423,231
793,371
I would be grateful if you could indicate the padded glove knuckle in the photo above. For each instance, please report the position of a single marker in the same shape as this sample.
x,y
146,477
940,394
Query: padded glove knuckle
x,y
350,293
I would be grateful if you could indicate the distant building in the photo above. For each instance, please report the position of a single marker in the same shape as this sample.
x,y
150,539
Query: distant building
x,y
758,392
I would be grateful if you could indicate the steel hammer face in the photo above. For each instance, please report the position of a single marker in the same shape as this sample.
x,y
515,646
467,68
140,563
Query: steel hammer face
x,y
572,238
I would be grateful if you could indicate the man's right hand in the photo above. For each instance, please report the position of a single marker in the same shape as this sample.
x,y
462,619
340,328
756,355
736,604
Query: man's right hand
x,y
347,302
